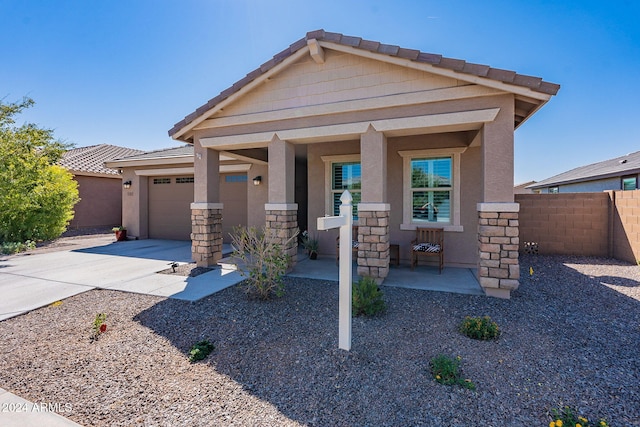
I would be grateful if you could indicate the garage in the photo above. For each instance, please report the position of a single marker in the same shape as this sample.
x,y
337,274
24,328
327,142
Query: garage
x,y
170,199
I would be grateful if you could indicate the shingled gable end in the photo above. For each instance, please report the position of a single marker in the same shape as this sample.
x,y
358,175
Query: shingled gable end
x,y
332,112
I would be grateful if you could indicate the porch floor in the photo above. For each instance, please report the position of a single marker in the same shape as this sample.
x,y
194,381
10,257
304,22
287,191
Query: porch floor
x,y
456,280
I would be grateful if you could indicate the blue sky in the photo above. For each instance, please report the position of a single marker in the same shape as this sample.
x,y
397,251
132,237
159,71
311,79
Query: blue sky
x,y
123,72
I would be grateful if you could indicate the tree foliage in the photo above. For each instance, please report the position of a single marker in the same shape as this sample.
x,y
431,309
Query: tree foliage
x,y
36,195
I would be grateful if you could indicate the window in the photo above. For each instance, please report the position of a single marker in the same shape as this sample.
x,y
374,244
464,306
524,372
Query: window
x,y
235,178
342,173
431,188
629,182
184,180
554,190
162,180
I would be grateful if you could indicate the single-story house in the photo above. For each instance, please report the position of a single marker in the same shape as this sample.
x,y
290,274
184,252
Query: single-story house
x,y
99,187
523,188
420,140
620,173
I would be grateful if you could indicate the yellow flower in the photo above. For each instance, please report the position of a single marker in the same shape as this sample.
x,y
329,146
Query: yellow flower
x,y
582,419
438,377
552,424
558,423
578,425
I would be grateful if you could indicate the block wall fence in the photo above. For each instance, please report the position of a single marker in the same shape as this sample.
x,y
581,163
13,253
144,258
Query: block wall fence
x,y
603,224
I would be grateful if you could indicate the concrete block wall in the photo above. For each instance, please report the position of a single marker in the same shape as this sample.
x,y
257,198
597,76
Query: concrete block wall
x,y
566,224
625,227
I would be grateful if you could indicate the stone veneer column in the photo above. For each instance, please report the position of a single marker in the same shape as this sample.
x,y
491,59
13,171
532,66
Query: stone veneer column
x,y
281,225
498,241
373,240
206,233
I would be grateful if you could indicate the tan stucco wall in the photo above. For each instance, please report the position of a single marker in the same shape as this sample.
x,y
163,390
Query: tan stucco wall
x,y
258,195
342,77
100,202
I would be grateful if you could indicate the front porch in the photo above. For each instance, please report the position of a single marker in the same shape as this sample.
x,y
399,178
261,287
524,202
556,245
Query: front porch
x,y
452,279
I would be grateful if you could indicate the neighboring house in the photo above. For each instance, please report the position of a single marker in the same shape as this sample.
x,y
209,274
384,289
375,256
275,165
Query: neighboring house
x,y
401,129
99,187
157,203
620,173
523,188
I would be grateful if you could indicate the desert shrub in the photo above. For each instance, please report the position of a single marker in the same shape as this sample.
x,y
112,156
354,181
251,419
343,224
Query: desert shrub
x,y
367,298
446,370
200,350
261,261
480,328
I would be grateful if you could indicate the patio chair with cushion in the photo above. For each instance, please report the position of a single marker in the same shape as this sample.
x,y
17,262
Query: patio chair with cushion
x,y
354,244
429,242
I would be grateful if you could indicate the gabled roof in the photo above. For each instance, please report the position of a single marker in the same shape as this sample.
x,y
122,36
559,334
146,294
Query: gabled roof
x,y
464,70
624,165
91,159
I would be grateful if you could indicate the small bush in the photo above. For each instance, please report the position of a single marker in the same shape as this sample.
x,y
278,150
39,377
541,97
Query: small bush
x,y
446,370
567,417
480,328
200,350
367,298
10,248
262,261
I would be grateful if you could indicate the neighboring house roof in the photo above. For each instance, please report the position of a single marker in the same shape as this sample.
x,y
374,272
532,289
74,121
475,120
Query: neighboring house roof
x,y
90,160
624,165
523,188
473,73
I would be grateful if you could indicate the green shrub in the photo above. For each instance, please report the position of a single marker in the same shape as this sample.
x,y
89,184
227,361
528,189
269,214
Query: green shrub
x,y
367,298
567,417
200,350
15,247
262,261
446,370
480,328
36,195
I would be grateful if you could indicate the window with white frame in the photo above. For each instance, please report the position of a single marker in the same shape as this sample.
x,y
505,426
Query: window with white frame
x,y
431,188
342,173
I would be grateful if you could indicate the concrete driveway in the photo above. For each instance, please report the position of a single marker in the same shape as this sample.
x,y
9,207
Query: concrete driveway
x,y
36,279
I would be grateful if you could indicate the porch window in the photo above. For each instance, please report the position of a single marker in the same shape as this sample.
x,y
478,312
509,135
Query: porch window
x,y
431,189
629,182
342,172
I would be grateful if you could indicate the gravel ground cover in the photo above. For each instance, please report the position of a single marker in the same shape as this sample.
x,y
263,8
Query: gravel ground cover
x,y
570,336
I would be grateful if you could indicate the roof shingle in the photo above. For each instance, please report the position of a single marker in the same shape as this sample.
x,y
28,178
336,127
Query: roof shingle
x,y
91,159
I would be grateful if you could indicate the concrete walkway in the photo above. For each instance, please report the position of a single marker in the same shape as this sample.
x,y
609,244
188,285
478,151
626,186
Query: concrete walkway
x,y
18,412
32,281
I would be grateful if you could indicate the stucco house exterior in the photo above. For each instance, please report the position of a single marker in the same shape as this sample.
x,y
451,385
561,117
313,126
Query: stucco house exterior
x,y
419,139
620,173
99,187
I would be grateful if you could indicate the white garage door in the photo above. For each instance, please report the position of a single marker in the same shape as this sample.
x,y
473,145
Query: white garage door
x,y
170,201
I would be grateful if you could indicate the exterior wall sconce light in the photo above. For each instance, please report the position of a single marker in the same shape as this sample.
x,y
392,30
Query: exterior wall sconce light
x,y
257,180
126,185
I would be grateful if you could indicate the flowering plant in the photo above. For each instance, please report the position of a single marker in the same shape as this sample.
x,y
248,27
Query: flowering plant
x,y
99,325
566,417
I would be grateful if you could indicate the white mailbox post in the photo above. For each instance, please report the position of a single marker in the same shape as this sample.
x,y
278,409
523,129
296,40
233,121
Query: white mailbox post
x,y
344,222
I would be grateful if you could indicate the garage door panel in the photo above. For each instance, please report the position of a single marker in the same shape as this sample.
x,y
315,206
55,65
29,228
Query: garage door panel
x,y
170,208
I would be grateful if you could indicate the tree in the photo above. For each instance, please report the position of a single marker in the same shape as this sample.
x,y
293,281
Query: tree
x,y
36,195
